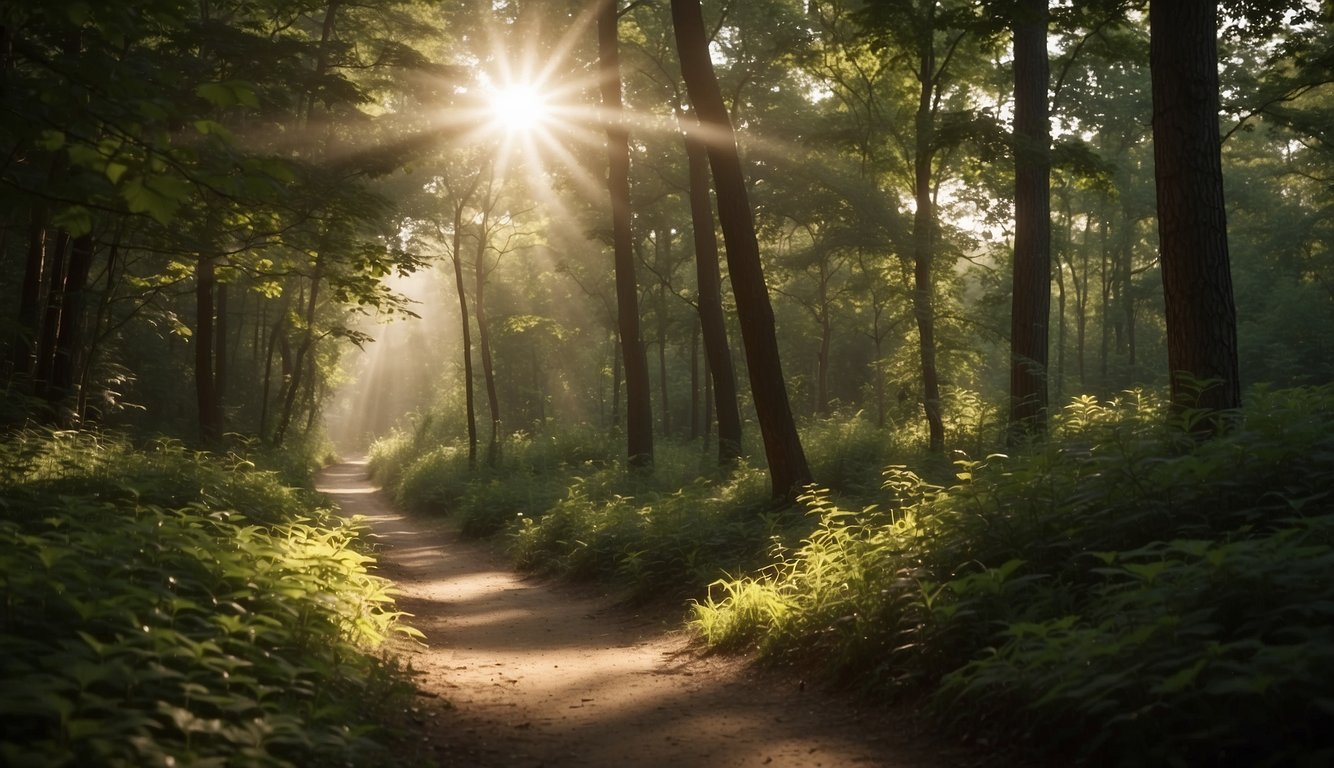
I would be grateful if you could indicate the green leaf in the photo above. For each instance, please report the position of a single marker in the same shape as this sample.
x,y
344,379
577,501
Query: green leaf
x,y
51,140
75,219
115,171
217,94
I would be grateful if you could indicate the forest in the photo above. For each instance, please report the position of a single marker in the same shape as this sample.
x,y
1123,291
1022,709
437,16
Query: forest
x,y
973,357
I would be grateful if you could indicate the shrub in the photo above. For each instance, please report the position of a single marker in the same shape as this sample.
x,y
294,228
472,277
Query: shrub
x,y
165,607
1123,593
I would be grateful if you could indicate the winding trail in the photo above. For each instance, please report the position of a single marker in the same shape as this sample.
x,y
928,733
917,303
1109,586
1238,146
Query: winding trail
x,y
522,672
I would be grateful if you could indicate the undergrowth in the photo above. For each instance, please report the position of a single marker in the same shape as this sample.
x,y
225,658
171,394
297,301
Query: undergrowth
x,y
1122,594
161,607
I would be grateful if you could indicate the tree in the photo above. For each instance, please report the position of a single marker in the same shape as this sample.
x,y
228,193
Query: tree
x,y
1192,221
1031,303
639,408
709,281
788,471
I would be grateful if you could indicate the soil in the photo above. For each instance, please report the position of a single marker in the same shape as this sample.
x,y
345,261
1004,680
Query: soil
x,y
520,671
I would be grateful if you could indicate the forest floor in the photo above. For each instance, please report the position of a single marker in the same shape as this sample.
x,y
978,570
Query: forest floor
x,y
525,672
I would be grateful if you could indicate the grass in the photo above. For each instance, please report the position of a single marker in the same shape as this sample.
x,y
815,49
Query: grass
x,y
164,607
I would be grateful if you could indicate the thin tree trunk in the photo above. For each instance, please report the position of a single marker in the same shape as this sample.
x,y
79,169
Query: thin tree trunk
x,y
302,351
46,339
713,323
1105,298
615,385
69,337
468,386
694,380
826,341
24,349
81,409
924,223
276,339
220,354
484,343
205,393
788,470
639,407
1081,282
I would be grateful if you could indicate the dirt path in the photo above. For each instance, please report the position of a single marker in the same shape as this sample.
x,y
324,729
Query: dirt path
x,y
525,673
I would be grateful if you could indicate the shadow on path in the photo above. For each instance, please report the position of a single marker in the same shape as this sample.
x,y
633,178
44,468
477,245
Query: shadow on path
x,y
532,674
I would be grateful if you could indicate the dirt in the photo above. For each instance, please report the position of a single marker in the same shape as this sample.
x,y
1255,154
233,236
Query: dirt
x,y
519,671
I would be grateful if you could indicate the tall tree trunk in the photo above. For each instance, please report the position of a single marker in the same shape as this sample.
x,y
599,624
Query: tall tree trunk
x,y
1105,299
46,339
456,256
1061,321
220,353
788,470
484,343
297,363
662,254
924,224
616,385
69,337
713,323
694,380
639,408
826,342
1192,221
1081,281
276,340
210,428
24,344
82,408
1031,307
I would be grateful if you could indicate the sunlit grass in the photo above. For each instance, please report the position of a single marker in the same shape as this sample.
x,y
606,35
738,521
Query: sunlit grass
x,y
1122,593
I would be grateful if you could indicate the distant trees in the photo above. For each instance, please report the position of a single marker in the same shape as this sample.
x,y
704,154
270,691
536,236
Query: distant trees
x,y
165,208
200,199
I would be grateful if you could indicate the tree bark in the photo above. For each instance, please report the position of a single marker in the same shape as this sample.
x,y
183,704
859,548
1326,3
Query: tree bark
x,y
924,224
1031,307
69,337
713,324
24,344
639,408
50,329
220,310
457,258
662,246
484,342
1192,221
298,361
788,470
210,430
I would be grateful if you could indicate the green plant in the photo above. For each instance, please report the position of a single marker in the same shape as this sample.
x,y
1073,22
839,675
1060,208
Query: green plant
x,y
165,607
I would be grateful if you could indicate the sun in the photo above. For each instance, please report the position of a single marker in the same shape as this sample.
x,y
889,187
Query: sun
x,y
519,108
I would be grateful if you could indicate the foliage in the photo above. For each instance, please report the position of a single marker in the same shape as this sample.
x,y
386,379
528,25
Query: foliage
x,y
1122,593
163,607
